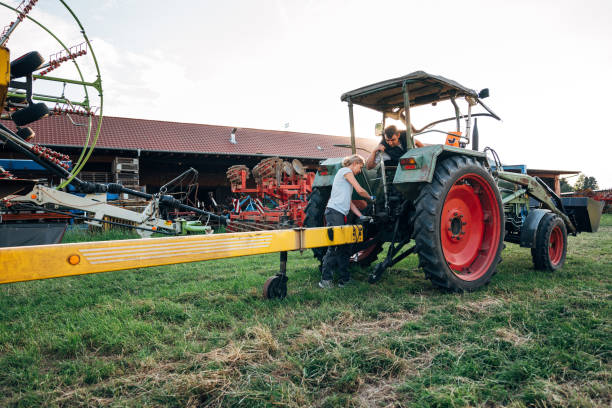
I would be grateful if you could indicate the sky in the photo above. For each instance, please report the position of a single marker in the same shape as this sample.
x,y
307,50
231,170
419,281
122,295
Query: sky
x,y
282,65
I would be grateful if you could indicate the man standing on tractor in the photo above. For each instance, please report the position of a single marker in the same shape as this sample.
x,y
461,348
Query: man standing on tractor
x,y
338,206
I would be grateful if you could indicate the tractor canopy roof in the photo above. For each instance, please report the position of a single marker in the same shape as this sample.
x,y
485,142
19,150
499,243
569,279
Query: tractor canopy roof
x,y
423,88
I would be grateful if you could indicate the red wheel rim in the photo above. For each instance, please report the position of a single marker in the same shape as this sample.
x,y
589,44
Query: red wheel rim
x,y
555,247
470,226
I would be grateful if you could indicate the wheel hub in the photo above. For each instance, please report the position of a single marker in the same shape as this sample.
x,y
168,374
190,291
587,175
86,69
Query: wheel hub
x,y
455,226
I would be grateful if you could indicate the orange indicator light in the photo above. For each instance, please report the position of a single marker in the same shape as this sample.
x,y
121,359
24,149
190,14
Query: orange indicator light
x,y
74,259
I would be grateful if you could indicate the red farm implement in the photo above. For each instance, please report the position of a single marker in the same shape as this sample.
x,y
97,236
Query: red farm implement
x,y
278,198
604,196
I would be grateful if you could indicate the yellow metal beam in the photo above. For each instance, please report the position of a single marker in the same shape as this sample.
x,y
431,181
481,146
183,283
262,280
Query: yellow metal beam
x,y
53,261
5,74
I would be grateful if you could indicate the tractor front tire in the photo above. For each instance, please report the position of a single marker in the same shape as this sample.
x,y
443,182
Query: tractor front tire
x,y
551,244
459,225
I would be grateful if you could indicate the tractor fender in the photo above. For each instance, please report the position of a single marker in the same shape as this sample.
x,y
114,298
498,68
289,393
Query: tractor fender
x,y
425,162
329,168
326,179
530,227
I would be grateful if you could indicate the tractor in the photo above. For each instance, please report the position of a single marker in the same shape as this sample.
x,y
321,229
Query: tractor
x,y
455,202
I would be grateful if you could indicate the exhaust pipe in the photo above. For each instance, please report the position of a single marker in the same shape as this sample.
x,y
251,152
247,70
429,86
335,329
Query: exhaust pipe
x,y
475,135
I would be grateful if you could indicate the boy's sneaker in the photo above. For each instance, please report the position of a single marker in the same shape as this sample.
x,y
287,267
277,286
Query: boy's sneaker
x,y
342,284
326,284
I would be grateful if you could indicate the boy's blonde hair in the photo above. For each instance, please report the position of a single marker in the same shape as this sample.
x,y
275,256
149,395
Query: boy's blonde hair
x,y
347,161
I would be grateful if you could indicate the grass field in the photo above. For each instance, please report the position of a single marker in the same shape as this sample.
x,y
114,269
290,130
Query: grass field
x,y
201,335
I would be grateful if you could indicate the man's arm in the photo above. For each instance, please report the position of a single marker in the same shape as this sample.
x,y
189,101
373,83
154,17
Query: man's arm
x,y
371,162
350,177
355,210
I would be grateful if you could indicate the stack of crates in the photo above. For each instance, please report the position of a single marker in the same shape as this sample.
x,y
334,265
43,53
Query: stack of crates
x,y
97,177
125,171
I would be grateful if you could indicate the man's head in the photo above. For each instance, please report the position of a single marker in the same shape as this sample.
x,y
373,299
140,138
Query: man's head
x,y
392,136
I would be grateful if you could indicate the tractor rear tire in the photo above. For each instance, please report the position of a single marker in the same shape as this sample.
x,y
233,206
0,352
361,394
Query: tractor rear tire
x,y
459,225
551,244
315,215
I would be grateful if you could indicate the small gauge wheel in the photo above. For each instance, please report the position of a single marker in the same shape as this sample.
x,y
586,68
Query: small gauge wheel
x,y
275,287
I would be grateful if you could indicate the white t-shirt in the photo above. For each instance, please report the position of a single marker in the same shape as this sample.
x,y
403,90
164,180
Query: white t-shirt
x,y
341,192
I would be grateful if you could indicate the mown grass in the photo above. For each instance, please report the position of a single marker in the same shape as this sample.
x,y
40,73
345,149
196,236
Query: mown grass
x,y
80,235
200,335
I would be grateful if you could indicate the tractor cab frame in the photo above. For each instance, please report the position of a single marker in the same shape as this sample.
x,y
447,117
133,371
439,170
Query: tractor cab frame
x,y
394,98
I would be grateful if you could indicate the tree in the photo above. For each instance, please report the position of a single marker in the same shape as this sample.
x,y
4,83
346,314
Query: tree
x,y
585,182
565,186
590,182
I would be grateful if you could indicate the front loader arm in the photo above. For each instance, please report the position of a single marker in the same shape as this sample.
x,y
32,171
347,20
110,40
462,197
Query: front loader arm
x,y
535,189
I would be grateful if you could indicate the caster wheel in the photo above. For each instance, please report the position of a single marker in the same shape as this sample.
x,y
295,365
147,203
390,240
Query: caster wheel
x,y
275,287
377,273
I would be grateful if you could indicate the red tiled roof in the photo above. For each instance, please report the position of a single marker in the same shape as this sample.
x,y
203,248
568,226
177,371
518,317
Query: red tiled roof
x,y
153,135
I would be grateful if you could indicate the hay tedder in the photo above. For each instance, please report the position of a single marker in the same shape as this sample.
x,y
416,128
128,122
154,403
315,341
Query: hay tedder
x,y
278,198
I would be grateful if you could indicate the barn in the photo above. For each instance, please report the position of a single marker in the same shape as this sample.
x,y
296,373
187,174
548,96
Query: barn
x,y
146,154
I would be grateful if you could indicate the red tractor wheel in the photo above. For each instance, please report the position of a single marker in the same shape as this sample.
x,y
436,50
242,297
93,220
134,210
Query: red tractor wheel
x,y
551,244
459,225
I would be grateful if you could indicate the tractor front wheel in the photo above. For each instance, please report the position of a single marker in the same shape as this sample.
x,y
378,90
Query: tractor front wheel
x,y
551,244
459,225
